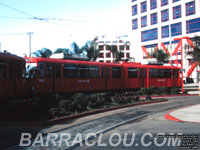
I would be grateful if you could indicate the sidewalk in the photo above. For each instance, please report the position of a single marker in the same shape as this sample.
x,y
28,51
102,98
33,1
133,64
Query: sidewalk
x,y
192,88
186,114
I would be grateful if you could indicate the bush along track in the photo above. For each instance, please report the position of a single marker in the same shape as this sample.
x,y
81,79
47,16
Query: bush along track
x,y
55,106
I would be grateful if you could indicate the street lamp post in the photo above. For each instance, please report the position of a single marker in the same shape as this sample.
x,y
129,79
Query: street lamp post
x,y
30,34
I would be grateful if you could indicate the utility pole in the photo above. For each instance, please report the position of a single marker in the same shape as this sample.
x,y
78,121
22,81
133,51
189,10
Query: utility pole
x,y
30,34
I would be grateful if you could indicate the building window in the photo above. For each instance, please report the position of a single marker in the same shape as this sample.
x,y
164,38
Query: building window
x,y
127,55
175,1
101,55
165,31
153,4
190,8
134,10
153,18
121,47
176,29
101,47
127,47
149,35
108,47
144,21
193,25
134,24
177,12
151,48
164,2
108,55
164,15
144,6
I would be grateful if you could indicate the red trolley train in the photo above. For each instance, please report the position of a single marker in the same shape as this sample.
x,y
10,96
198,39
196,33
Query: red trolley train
x,y
12,81
69,76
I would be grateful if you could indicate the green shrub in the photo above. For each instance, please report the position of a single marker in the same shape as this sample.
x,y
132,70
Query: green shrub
x,y
97,100
163,90
175,90
147,91
79,102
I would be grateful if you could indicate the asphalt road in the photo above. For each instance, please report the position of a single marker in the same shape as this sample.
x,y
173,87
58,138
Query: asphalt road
x,y
117,129
142,133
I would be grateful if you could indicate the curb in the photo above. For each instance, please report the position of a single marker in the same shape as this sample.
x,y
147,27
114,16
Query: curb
x,y
177,95
172,118
76,116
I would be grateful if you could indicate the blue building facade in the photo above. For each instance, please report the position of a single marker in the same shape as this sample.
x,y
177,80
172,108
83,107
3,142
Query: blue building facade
x,y
156,24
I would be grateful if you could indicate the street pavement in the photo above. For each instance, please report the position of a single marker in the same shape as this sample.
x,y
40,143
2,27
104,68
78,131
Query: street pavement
x,y
146,130
187,114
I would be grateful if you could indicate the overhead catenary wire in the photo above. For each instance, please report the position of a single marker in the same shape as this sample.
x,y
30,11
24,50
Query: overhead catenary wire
x,y
7,34
17,10
46,19
57,21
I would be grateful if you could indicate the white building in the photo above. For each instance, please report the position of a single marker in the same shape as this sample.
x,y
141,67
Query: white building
x,y
157,24
105,42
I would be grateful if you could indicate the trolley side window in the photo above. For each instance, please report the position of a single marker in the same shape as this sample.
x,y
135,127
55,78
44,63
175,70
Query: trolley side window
x,y
175,73
160,73
69,71
58,73
41,70
49,71
94,72
145,73
141,73
31,70
10,70
132,72
168,73
116,72
153,73
102,72
3,69
23,71
108,73
18,70
82,71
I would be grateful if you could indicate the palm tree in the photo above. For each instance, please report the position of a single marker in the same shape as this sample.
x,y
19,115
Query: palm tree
x,y
75,48
91,48
119,56
196,50
114,51
65,51
44,53
160,56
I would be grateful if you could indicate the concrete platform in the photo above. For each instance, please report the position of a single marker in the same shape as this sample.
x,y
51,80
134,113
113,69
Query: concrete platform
x,y
186,114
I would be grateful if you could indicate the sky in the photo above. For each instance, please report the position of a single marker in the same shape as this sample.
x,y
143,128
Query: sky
x,y
68,21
